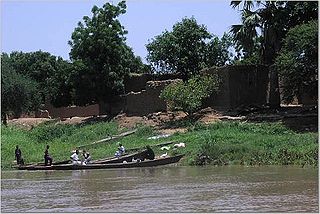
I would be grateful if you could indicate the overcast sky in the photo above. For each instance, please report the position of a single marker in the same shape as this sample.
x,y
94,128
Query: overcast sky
x,y
47,25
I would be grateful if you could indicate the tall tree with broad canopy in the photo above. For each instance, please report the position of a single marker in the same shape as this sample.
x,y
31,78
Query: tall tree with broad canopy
x,y
19,93
298,61
187,49
48,71
99,43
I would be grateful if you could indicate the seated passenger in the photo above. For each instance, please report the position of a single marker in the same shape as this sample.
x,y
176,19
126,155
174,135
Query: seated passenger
x,y
75,158
149,154
87,157
121,150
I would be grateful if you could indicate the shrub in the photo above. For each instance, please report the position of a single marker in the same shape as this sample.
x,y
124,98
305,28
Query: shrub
x,y
188,96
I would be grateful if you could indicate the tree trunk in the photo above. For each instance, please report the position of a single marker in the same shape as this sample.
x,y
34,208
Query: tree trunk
x,y
274,94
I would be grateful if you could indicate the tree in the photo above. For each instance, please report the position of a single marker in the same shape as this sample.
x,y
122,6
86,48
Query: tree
x,y
186,49
298,61
273,19
188,96
19,93
99,42
50,73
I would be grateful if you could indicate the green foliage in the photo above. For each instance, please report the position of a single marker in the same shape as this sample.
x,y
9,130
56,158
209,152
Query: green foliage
x,y
189,96
187,49
19,93
298,61
99,42
51,73
217,144
47,133
145,131
274,19
244,143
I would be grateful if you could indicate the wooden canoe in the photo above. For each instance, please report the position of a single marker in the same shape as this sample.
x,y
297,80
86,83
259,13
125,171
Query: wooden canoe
x,y
21,167
146,163
108,160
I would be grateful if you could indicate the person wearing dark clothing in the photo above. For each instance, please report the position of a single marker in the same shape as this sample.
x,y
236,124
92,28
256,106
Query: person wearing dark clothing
x,y
47,157
149,154
18,155
87,157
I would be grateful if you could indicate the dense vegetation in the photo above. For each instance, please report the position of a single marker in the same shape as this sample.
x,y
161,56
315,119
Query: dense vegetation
x,y
220,143
100,57
298,61
99,43
189,96
187,49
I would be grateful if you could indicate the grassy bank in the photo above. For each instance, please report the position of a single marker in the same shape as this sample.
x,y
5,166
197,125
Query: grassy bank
x,y
219,143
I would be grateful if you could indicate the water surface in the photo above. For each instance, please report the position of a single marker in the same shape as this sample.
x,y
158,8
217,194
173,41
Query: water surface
x,y
162,189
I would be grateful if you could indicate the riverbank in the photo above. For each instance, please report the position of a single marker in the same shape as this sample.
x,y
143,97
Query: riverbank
x,y
218,143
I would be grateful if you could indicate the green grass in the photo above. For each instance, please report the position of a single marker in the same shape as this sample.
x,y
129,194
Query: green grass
x,y
218,144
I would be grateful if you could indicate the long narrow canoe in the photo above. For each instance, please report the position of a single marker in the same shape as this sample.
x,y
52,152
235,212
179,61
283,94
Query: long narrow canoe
x,y
108,160
21,167
146,163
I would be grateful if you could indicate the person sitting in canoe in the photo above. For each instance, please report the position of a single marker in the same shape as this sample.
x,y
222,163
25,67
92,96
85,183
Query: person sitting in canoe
x,y
75,158
86,156
149,154
121,150
47,157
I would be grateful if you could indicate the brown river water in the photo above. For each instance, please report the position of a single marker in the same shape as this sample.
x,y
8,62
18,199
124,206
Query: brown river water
x,y
163,189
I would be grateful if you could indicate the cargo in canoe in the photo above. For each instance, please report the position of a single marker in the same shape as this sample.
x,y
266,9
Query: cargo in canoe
x,y
145,163
127,157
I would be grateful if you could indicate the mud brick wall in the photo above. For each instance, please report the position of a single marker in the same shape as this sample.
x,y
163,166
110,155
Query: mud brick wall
x,y
147,101
138,82
240,85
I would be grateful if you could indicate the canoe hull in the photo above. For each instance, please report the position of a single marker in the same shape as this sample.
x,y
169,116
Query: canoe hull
x,y
146,163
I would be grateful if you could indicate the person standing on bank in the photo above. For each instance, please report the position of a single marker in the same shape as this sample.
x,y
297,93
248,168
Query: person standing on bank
x,y
47,157
18,155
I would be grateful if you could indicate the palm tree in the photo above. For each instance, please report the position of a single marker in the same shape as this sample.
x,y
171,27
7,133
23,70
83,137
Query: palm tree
x,y
273,19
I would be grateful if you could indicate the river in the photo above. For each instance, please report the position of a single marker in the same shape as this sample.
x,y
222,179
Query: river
x,y
163,189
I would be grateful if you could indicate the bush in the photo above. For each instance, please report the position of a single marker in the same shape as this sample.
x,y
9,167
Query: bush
x,y
188,96
297,62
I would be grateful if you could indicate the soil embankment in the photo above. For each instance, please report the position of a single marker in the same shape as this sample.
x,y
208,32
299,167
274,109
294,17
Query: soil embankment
x,y
302,119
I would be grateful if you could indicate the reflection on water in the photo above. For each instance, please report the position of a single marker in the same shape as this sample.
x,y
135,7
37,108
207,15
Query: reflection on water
x,y
162,189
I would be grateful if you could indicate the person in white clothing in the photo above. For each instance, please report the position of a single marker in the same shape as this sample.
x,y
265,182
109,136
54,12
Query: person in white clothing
x,y
75,158
121,150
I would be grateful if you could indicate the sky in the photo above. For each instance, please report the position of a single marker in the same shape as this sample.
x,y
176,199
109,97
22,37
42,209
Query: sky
x,y
47,25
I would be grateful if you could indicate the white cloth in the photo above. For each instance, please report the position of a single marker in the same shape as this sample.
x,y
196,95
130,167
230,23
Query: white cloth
x,y
74,157
122,149
117,154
